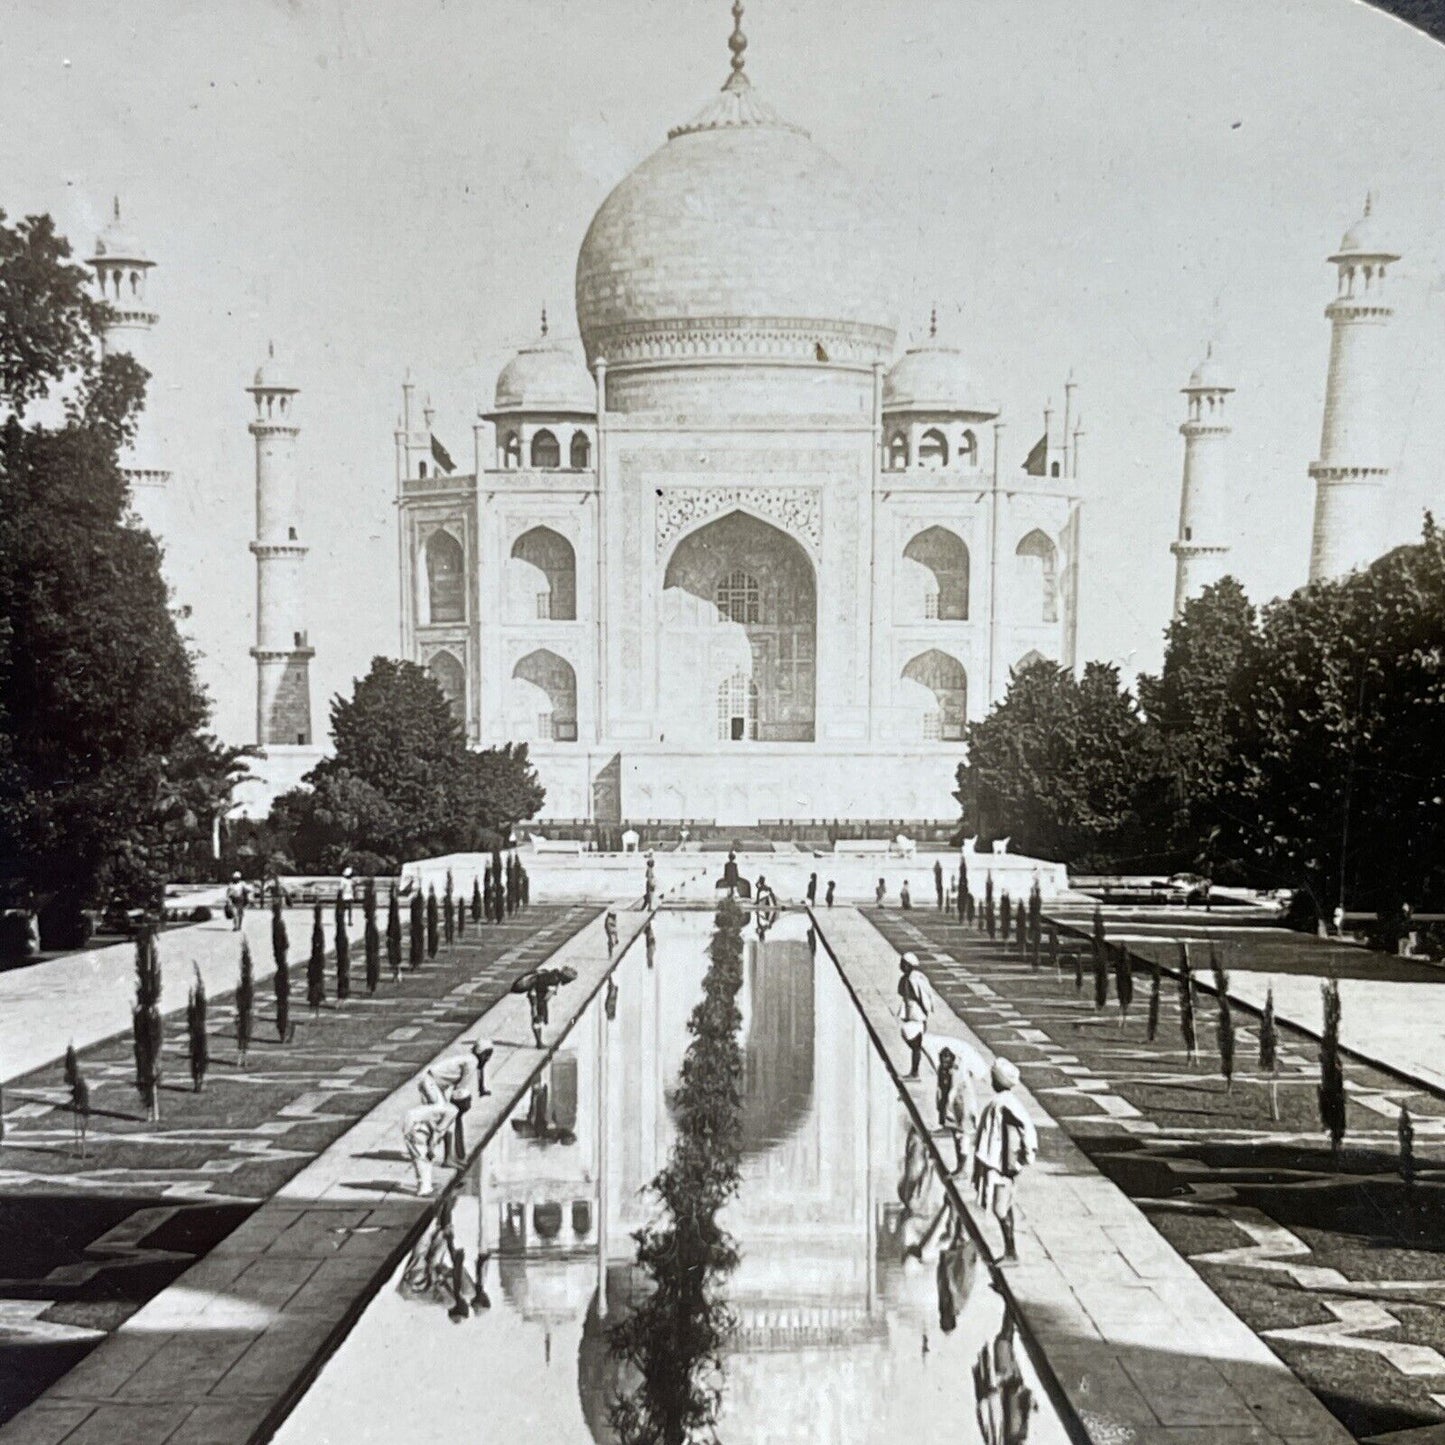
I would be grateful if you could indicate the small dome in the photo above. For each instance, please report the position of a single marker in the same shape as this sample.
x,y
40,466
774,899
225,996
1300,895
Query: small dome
x,y
546,375
1364,237
116,244
271,375
931,377
1209,375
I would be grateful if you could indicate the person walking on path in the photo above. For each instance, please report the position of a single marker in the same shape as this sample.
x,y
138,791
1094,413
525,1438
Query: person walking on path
x,y
460,1081
916,1003
609,925
424,1130
236,900
938,881
812,889
828,896
905,898
1004,1146
880,893
957,1106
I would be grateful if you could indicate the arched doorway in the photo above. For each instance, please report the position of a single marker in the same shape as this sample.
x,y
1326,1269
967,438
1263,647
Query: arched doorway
x,y
1037,578
943,557
544,577
451,677
942,690
544,698
739,611
444,565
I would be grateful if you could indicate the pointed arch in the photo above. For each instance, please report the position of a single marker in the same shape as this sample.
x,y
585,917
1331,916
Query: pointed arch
x,y
897,452
511,451
1030,659
933,449
944,557
581,451
546,453
1038,561
445,566
545,697
547,584
946,710
451,677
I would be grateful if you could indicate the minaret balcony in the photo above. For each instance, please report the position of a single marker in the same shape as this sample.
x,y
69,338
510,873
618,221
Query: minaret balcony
x,y
263,551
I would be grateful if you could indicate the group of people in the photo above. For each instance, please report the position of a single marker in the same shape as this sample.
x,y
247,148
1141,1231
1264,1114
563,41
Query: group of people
x,y
999,1139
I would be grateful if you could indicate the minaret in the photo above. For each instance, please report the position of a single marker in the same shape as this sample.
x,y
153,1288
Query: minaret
x,y
1201,550
121,271
1352,470
282,651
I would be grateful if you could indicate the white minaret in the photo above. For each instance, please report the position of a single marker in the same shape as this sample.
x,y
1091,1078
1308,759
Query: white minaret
x,y
1201,550
1352,471
282,652
121,270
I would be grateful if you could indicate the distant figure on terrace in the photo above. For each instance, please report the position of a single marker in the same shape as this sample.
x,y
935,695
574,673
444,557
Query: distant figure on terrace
x,y
236,900
938,881
609,925
763,895
538,996
905,898
730,876
812,889
828,896
880,893
344,893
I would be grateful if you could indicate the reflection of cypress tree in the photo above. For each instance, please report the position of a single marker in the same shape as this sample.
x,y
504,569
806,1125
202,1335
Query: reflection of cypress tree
x,y
675,1337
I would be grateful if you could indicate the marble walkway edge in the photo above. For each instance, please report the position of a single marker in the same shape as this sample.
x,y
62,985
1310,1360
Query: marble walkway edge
x,y
220,1355
1139,1346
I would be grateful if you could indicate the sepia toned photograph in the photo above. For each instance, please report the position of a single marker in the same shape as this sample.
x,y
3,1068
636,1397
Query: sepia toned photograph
x,y
722,722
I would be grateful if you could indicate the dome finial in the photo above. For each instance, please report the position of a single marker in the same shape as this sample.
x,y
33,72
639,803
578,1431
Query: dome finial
x,y
1369,202
115,208
933,324
271,350
544,318
738,44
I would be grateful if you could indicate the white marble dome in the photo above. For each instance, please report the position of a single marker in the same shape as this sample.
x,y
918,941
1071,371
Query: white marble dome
x,y
739,238
1209,375
1364,238
546,375
932,377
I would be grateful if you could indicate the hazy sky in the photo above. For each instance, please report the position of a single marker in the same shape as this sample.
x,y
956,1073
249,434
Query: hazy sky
x,y
1096,184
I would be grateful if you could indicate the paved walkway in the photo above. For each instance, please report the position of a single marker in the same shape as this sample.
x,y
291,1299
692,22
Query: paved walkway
x,y
1140,1346
219,1356
83,998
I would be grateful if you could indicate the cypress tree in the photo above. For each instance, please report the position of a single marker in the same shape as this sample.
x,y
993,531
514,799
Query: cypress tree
x,y
1332,1071
433,931
970,908
200,1044
1054,947
372,937
524,880
1123,981
146,1025
79,1099
1156,975
964,912
245,1003
280,946
1101,977
449,911
476,899
393,933
499,895
316,964
417,949
1225,1023
1036,941
1405,1129
1186,1004
343,954
72,1065
461,918
1269,1052
988,904
1005,917
1078,972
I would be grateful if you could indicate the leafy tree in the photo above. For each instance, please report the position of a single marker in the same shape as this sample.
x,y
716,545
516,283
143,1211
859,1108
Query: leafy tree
x,y
401,782
245,1003
198,1040
1057,765
103,759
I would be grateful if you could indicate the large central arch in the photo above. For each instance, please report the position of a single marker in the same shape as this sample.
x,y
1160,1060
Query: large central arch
x,y
740,606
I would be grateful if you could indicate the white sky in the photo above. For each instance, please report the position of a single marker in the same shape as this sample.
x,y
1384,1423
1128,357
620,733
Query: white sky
x,y
1102,184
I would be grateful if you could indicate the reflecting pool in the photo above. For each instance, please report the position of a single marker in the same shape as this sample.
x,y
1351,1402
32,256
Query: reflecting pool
x,y
854,1308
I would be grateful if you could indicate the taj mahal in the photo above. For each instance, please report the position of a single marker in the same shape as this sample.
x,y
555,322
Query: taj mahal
x,y
735,560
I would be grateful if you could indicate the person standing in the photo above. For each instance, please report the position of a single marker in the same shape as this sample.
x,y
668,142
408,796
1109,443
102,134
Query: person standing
x,y
916,1000
957,1106
423,1131
346,898
828,896
730,874
812,889
538,995
1005,1144
880,893
609,925
236,899
905,898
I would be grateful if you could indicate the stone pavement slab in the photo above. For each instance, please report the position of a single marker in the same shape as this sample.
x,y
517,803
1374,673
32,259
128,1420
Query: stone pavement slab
x,y
1141,1351
219,1356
